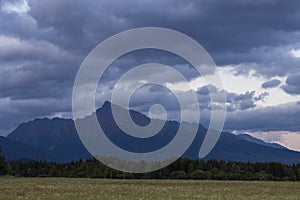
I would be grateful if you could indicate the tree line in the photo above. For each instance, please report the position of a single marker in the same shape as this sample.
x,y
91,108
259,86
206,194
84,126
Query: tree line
x,y
182,168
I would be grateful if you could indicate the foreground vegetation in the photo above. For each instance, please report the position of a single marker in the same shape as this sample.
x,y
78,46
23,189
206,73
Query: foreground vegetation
x,y
64,188
181,169
83,181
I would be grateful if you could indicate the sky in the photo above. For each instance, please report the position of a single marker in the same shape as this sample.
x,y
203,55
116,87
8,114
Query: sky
x,y
255,45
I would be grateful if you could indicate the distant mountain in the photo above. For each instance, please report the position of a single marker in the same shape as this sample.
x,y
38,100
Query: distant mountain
x,y
258,141
230,147
14,150
59,140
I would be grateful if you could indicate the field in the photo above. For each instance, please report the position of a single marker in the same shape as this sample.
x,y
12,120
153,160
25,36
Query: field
x,y
63,188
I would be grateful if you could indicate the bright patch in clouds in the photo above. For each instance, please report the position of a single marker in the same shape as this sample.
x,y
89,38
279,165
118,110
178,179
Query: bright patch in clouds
x,y
20,7
291,140
296,53
243,83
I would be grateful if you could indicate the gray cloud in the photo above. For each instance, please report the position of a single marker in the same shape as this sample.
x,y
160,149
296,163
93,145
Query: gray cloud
x,y
271,83
163,96
243,101
205,90
292,85
234,101
231,36
284,117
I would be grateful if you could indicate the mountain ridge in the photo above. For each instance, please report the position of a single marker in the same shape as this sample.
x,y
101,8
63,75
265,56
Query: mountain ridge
x,y
248,137
58,138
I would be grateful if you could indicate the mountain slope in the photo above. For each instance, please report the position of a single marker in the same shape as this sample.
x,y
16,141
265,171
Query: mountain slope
x,y
59,139
258,141
230,147
14,150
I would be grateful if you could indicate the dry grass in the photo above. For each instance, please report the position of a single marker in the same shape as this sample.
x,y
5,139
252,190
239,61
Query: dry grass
x,y
63,188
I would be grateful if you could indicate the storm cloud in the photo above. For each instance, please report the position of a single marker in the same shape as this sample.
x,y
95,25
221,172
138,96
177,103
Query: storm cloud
x,y
283,117
271,83
292,85
43,43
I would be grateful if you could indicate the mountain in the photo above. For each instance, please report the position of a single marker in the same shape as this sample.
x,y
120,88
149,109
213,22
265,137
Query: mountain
x,y
59,140
14,150
258,141
57,137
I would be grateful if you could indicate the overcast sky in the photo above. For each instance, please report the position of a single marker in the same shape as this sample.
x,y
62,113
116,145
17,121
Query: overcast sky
x,y
255,44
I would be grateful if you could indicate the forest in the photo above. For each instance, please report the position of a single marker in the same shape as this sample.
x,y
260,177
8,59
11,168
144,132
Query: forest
x,y
183,168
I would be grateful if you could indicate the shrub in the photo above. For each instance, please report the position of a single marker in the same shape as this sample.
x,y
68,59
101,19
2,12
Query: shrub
x,y
198,174
178,175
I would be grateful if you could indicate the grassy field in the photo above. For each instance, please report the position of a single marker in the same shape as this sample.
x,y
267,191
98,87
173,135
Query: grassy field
x,y
63,188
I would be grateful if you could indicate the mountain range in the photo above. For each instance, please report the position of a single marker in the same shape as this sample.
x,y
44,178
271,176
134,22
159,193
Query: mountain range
x,y
57,140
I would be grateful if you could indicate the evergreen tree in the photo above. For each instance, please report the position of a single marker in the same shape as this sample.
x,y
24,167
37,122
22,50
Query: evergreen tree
x,y
2,164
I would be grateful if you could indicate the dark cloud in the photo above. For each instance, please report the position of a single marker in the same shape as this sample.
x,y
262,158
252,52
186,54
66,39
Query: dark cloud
x,y
284,117
41,50
205,90
156,94
34,82
243,101
241,32
292,85
271,83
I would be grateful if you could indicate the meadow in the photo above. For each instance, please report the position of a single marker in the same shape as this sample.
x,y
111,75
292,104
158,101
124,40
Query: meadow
x,y
71,188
